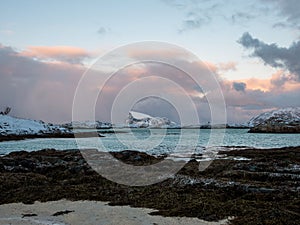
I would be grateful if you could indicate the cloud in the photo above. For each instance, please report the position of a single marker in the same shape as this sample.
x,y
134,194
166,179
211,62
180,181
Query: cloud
x,y
157,107
195,21
73,55
45,90
239,86
103,30
271,54
288,11
241,17
197,14
227,66
244,98
35,89
280,25
179,4
242,105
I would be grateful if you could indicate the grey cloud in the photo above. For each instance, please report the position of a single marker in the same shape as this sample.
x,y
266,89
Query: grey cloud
x,y
280,25
196,13
241,107
239,86
102,31
45,91
290,9
35,89
157,107
194,23
241,17
288,12
195,19
279,81
180,4
271,54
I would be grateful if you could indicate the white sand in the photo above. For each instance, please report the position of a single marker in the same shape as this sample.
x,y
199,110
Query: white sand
x,y
89,213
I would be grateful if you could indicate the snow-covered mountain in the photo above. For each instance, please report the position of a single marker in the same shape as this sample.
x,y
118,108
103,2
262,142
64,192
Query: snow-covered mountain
x,y
141,120
285,115
17,126
281,120
88,125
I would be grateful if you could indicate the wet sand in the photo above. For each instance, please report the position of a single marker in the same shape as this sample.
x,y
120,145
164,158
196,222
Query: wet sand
x,y
87,213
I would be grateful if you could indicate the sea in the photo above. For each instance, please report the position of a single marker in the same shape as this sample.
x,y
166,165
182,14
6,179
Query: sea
x,y
177,142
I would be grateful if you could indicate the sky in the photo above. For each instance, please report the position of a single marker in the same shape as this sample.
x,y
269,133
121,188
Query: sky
x,y
252,48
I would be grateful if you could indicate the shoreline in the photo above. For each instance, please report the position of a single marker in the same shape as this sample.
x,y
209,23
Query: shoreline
x,y
14,137
264,189
102,132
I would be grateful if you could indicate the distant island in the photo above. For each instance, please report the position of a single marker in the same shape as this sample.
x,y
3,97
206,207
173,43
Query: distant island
x,y
285,120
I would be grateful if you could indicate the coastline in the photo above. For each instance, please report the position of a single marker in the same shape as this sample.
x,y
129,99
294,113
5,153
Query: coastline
x,y
17,137
262,189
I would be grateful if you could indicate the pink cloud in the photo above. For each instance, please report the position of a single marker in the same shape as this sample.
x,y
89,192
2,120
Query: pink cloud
x,y
279,81
43,89
57,53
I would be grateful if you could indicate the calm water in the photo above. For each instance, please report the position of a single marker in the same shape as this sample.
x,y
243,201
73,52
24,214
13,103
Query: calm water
x,y
159,141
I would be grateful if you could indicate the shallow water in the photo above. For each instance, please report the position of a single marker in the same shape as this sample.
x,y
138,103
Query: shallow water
x,y
160,141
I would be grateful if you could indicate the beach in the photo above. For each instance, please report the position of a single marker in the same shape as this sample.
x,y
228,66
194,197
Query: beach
x,y
86,213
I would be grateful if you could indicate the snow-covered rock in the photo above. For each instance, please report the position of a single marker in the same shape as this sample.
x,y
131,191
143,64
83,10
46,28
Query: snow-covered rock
x,y
286,120
88,125
237,125
141,120
17,126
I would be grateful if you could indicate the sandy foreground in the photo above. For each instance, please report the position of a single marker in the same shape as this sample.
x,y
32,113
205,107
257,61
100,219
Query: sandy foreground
x,y
87,212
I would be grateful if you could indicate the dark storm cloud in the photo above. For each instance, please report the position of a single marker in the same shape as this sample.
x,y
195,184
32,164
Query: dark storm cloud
x,y
273,55
239,86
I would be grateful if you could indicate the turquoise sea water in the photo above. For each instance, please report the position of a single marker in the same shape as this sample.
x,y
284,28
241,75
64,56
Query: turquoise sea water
x,y
159,141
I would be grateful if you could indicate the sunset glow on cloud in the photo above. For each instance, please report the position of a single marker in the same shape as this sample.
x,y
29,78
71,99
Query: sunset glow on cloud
x,y
57,53
256,64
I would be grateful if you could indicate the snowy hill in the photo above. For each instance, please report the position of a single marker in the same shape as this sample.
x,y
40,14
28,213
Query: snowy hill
x,y
88,125
281,120
286,115
16,126
141,120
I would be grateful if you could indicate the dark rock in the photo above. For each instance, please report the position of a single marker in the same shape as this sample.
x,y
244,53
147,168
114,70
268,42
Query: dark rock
x,y
28,215
63,212
258,191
